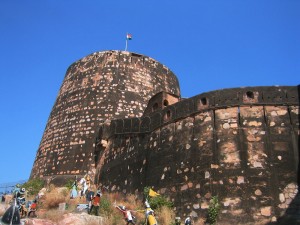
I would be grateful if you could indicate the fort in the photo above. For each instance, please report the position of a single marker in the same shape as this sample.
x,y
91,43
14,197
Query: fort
x,y
119,116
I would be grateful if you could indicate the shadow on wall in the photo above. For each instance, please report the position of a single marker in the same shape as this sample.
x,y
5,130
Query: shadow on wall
x,y
292,214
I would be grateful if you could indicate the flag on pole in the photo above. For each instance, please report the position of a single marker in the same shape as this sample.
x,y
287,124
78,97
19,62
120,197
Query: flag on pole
x,y
128,36
153,193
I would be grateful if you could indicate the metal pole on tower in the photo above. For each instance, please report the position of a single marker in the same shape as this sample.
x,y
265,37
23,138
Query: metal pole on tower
x,y
126,43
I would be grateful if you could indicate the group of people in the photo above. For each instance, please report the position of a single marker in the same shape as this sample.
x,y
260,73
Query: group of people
x,y
93,203
19,208
84,184
149,216
86,191
187,221
129,218
26,208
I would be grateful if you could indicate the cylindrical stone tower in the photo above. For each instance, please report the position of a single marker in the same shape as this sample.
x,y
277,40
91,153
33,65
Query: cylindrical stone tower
x,y
99,87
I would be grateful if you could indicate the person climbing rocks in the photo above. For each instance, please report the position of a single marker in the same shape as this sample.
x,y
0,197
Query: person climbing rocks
x,y
127,214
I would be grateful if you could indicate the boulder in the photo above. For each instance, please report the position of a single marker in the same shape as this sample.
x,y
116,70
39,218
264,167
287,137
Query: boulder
x,y
36,221
81,219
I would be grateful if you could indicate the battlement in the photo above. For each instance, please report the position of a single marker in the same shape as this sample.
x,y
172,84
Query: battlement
x,y
234,97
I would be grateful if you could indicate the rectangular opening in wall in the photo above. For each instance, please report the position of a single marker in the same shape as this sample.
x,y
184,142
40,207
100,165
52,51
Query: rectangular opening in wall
x,y
136,55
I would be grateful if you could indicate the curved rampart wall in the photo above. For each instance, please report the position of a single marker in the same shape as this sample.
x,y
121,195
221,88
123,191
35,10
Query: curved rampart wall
x,y
99,87
240,144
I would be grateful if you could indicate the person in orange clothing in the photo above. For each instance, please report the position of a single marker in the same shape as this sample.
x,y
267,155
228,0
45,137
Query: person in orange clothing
x,y
32,209
96,204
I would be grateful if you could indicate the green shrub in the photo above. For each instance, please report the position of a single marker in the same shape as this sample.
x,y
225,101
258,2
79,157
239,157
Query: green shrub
x,y
213,210
158,201
146,192
69,184
33,186
106,207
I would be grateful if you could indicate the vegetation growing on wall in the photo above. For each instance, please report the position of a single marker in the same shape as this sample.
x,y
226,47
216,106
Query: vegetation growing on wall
x,y
157,201
33,186
213,210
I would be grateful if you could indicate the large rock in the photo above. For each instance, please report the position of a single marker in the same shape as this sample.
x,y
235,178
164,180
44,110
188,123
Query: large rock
x,y
38,222
81,219
2,209
69,219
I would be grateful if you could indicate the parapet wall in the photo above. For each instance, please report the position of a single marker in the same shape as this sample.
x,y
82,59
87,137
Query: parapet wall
x,y
239,144
248,96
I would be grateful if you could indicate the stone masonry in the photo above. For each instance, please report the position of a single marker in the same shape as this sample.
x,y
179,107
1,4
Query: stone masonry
x,y
96,89
119,117
239,144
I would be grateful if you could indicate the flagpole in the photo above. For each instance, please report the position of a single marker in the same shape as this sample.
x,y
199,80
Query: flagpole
x,y
126,42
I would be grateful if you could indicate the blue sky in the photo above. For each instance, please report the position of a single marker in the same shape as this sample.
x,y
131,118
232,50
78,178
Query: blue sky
x,y
208,44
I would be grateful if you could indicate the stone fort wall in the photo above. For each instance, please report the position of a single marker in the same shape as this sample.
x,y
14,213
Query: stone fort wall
x,y
239,144
97,88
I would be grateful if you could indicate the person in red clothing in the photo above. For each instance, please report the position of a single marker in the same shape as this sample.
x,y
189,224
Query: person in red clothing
x,y
127,214
32,209
96,204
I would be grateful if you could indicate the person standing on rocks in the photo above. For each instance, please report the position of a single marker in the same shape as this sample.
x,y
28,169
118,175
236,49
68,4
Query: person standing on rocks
x,y
74,189
89,197
96,204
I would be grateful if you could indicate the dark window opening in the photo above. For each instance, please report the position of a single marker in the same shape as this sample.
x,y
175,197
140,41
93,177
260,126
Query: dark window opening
x,y
166,103
250,94
203,101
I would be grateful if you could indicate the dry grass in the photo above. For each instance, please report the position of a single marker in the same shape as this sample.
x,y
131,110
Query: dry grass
x,y
131,202
200,221
54,197
48,208
114,219
165,216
